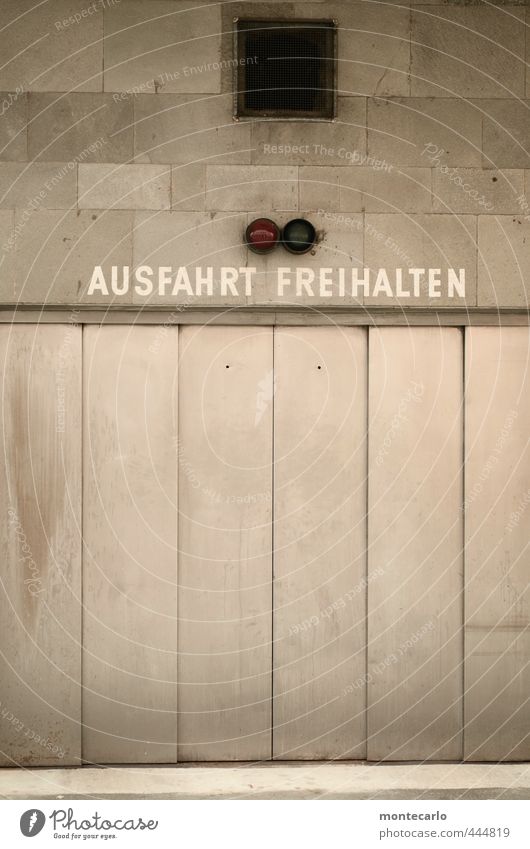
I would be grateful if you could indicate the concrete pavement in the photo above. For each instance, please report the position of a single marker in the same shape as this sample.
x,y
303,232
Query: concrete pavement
x,y
272,781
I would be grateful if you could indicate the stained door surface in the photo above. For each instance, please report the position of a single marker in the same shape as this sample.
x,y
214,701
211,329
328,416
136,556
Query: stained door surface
x,y
130,512
497,504
247,543
225,568
40,545
319,543
415,533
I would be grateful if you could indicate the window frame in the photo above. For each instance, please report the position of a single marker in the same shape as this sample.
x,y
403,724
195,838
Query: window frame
x,y
240,112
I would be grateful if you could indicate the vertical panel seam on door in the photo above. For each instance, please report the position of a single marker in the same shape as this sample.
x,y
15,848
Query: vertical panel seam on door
x,y
177,550
273,518
82,564
367,537
464,401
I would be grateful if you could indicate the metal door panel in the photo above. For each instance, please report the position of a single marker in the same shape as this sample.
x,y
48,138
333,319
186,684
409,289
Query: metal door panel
x,y
40,545
130,545
225,568
415,536
320,543
497,501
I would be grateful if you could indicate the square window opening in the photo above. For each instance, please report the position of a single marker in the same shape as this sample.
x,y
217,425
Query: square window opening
x,y
285,69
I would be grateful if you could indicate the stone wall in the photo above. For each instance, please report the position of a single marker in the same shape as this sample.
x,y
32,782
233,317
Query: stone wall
x,y
118,146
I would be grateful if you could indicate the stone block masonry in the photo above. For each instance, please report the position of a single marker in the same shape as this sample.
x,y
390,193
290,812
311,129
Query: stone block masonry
x,y
118,147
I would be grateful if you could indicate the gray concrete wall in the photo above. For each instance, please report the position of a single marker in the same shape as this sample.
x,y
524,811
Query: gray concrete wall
x,y
117,146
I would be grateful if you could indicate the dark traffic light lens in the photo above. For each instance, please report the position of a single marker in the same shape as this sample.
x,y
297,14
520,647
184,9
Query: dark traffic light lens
x,y
299,236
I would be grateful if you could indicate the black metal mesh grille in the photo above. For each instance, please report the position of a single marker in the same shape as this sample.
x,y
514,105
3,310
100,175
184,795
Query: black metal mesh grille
x,y
285,68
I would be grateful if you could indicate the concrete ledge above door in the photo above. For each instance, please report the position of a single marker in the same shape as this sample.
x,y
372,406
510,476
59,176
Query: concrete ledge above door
x,y
263,315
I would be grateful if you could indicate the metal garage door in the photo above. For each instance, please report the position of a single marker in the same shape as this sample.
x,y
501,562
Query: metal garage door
x,y
245,543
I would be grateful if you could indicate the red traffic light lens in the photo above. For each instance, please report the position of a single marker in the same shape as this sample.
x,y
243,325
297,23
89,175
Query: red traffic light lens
x,y
262,235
